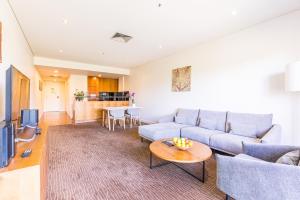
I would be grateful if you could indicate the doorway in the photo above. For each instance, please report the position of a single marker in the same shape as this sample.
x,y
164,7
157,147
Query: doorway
x,y
54,96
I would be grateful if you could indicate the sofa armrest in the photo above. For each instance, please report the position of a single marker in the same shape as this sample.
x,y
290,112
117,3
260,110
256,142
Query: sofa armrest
x,y
273,136
249,179
167,118
267,152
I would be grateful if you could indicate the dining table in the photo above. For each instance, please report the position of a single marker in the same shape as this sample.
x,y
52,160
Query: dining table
x,y
106,110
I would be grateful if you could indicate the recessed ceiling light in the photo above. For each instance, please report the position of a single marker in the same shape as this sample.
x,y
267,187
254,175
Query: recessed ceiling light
x,y
160,46
55,71
65,21
60,51
234,12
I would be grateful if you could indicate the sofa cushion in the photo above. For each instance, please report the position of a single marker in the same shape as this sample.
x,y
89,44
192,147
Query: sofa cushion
x,y
180,120
160,131
219,117
247,157
290,158
263,122
187,116
199,134
247,130
229,143
208,124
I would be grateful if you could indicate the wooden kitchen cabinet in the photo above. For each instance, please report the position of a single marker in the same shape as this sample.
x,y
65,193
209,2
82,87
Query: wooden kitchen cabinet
x,y
96,85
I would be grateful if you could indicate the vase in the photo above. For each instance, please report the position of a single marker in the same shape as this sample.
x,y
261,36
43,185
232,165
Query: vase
x,y
79,98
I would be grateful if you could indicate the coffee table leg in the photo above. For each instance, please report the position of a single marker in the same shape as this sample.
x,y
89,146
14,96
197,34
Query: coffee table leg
x,y
150,160
158,165
193,175
203,171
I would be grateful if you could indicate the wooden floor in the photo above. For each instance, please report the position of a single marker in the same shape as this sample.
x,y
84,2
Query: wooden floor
x,y
28,176
56,118
48,119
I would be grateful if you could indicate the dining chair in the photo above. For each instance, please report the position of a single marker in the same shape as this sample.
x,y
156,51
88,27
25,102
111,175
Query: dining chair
x,y
133,114
117,115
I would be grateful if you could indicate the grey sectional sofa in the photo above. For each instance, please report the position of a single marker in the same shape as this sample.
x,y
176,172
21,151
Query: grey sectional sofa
x,y
255,174
223,131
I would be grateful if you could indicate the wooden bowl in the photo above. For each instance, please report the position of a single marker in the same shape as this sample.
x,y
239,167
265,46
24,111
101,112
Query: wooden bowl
x,y
182,148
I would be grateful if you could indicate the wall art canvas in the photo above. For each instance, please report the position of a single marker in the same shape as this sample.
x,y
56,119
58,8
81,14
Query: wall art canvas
x,y
40,85
181,79
0,42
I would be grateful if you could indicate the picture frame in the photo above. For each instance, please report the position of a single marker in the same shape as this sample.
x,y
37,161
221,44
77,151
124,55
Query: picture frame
x,y
40,85
0,42
181,79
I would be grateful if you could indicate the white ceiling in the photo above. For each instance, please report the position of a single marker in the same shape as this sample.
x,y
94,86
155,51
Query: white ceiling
x,y
62,74
53,74
156,31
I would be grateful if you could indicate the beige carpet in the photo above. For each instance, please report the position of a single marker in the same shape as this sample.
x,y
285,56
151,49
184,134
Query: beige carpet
x,y
87,162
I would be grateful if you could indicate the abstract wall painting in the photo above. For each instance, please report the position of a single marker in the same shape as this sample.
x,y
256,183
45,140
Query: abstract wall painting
x,y
0,42
181,79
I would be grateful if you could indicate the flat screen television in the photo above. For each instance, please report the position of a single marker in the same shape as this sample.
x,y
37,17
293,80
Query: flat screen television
x,y
17,96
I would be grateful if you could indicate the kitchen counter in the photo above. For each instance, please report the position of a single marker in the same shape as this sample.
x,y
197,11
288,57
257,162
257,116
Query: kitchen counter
x,y
87,111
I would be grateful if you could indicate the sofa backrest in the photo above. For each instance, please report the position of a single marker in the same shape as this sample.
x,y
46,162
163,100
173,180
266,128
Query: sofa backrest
x,y
217,116
187,116
263,122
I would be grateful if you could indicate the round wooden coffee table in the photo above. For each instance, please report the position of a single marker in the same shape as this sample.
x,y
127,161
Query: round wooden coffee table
x,y
198,153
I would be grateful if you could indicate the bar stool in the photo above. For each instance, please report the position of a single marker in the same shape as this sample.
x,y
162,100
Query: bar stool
x,y
104,117
134,115
115,115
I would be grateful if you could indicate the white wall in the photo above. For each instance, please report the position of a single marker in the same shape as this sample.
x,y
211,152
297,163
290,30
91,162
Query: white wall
x,y
75,82
123,83
15,51
242,72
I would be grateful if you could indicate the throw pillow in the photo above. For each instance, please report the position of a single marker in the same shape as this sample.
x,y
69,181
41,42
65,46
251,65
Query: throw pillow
x,y
247,130
180,120
290,158
208,124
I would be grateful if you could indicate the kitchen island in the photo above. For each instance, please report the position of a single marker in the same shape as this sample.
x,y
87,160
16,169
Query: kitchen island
x,y
87,111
